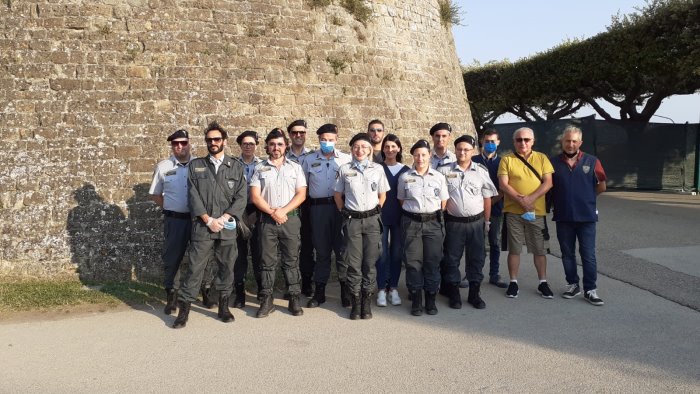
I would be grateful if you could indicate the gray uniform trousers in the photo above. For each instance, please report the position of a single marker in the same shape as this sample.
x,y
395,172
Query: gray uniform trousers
x,y
464,239
286,239
363,243
224,254
326,223
422,253
177,237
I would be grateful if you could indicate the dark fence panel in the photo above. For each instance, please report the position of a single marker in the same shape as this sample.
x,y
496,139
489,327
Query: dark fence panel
x,y
645,156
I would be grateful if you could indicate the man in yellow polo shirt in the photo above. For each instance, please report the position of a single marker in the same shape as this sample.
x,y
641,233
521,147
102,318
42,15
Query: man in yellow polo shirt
x,y
524,188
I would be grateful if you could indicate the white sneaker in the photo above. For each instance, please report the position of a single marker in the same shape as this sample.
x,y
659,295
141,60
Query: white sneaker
x,y
381,298
394,297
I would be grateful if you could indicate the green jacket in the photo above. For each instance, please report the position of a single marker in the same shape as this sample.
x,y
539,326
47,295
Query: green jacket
x,y
216,194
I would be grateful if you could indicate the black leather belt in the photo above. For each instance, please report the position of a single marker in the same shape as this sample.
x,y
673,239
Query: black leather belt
x,y
177,215
467,219
422,217
362,214
321,201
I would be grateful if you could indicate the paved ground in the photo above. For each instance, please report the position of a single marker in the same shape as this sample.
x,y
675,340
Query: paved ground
x,y
638,342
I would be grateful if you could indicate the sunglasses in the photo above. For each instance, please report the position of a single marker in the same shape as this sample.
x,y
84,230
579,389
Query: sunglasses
x,y
176,143
297,132
213,139
523,139
376,130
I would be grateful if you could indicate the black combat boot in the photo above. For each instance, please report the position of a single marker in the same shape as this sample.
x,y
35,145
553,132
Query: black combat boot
x,y
345,296
239,301
416,302
207,298
319,296
430,307
171,302
366,309
266,306
259,293
474,297
307,287
455,296
183,314
294,305
356,304
224,313
445,289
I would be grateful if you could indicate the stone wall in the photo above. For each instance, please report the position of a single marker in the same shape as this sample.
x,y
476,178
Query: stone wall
x,y
90,89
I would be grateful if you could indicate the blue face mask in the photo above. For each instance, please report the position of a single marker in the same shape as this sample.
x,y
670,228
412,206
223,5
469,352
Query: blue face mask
x,y
529,216
327,147
490,147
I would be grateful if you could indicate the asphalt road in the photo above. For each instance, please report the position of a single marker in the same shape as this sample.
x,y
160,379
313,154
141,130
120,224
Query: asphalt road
x,y
640,341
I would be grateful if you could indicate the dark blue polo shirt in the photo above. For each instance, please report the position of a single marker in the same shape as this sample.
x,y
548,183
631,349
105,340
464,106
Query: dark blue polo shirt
x,y
574,189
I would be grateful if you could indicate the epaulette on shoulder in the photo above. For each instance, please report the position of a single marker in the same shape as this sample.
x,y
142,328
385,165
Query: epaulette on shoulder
x,y
483,167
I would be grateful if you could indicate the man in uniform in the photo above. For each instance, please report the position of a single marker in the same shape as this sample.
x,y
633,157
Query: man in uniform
x,y
578,179
375,130
217,198
468,208
248,142
525,176
169,191
321,170
491,159
297,153
277,188
441,155
360,192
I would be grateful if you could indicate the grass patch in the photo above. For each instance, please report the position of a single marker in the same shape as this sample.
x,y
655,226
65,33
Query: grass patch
x,y
26,295
450,13
358,9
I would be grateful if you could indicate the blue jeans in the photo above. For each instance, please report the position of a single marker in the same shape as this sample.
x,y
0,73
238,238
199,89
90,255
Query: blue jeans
x,y
495,245
389,263
567,233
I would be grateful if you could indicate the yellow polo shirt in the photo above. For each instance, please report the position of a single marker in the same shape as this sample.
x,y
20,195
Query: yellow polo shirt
x,y
523,180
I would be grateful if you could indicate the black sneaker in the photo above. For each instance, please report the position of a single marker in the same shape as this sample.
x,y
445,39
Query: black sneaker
x,y
572,291
512,291
545,291
592,297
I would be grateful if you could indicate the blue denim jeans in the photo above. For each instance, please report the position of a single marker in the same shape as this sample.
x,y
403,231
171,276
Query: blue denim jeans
x,y
389,263
495,245
567,234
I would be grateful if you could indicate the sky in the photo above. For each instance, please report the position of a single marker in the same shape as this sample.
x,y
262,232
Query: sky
x,y
500,29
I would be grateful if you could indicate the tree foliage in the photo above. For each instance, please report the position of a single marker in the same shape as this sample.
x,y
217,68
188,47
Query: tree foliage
x,y
640,60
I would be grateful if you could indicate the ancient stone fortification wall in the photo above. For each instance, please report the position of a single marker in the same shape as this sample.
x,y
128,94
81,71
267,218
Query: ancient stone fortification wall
x,y
90,89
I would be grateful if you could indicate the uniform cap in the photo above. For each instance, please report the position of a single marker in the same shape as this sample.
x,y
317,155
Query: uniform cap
x,y
466,138
420,144
440,126
182,133
327,128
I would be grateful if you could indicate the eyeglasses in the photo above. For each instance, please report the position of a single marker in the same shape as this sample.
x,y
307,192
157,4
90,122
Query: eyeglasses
x,y
213,139
526,140
176,143
297,132
248,144
376,130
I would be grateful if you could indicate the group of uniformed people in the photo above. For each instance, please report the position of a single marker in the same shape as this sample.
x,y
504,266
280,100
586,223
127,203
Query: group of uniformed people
x,y
372,212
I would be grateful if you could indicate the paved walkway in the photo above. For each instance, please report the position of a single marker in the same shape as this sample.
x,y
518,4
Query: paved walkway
x,y
637,342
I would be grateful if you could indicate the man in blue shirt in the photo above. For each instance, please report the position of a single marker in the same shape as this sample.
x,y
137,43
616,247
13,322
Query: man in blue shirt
x,y
578,179
489,158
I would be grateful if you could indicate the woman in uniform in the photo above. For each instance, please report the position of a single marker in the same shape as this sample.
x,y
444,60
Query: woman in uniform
x,y
422,193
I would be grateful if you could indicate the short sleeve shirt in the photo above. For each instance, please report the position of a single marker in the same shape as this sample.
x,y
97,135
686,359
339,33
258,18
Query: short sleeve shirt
x,y
422,193
170,181
321,173
523,180
361,188
467,189
278,186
